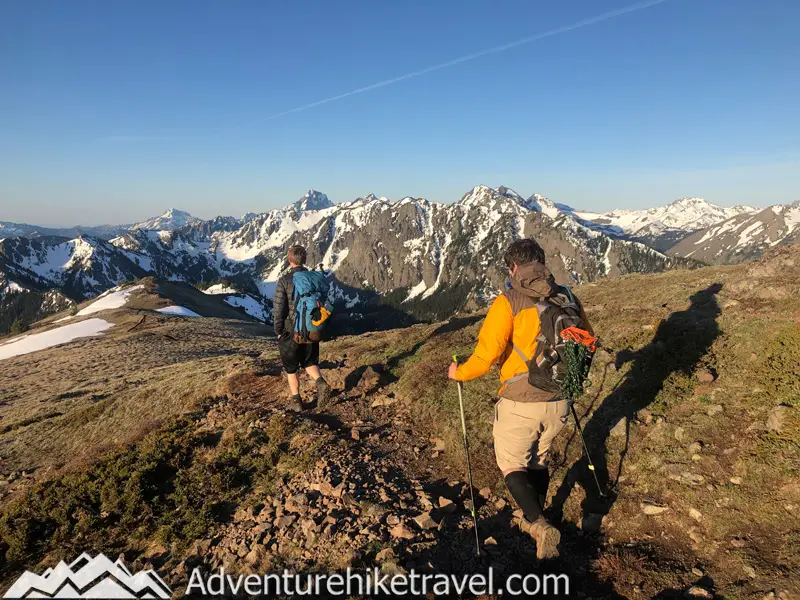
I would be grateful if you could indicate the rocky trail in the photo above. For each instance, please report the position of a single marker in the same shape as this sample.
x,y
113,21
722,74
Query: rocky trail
x,y
377,492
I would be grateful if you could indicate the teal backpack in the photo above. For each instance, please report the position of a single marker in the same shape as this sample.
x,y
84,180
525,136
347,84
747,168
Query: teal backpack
x,y
311,307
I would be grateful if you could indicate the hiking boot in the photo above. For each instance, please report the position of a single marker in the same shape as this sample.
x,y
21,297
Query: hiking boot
x,y
547,537
323,392
295,404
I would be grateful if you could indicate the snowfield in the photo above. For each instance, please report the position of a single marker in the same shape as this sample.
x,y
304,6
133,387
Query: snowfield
x,y
251,306
220,288
111,299
178,311
34,342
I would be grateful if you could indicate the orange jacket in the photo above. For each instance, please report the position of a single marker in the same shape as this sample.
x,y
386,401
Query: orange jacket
x,y
512,320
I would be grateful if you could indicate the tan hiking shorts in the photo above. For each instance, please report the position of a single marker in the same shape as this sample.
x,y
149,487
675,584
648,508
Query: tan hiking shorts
x,y
524,431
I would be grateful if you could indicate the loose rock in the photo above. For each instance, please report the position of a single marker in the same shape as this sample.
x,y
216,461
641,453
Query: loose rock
x,y
401,532
777,419
425,522
620,429
649,508
704,376
697,592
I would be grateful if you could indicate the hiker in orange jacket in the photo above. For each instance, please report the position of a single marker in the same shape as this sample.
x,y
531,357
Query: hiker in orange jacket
x,y
526,419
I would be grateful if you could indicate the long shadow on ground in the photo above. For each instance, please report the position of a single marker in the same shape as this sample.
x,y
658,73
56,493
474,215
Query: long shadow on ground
x,y
678,345
680,342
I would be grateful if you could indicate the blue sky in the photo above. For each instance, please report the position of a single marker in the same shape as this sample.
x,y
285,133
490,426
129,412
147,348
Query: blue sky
x,y
114,111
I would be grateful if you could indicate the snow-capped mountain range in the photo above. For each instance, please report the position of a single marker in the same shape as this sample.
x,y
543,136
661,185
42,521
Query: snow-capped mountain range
x,y
744,236
422,256
663,226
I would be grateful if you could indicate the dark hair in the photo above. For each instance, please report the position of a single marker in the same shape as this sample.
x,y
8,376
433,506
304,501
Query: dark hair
x,y
297,255
522,252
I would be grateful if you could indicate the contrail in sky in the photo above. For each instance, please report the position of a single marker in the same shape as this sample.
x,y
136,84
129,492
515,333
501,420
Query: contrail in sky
x,y
450,63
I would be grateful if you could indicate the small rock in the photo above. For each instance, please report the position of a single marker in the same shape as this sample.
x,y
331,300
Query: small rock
x,y
679,433
736,480
392,520
201,547
401,532
385,401
704,376
697,572
500,504
425,522
284,521
697,592
297,503
714,410
620,429
485,493
777,418
446,505
749,571
695,514
384,555
491,547
438,444
695,536
695,447
649,508
692,478
256,555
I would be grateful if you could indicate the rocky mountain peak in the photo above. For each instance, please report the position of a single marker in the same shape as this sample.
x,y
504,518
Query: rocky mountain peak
x,y
483,195
313,200
686,202
172,218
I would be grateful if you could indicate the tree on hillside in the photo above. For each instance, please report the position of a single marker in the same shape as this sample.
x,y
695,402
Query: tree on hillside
x,y
18,326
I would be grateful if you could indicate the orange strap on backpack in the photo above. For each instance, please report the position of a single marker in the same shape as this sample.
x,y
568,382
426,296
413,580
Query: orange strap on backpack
x,y
580,336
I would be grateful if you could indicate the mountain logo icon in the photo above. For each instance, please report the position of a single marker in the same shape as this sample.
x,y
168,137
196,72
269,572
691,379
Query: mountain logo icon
x,y
89,577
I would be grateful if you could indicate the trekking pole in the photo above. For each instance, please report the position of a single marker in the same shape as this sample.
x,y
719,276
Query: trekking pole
x,y
469,466
585,447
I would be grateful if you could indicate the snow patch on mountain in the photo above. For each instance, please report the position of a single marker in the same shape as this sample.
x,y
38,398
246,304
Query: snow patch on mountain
x,y
252,306
178,311
33,342
113,298
220,288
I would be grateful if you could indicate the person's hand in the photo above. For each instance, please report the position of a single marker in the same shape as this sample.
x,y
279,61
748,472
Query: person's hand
x,y
451,372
